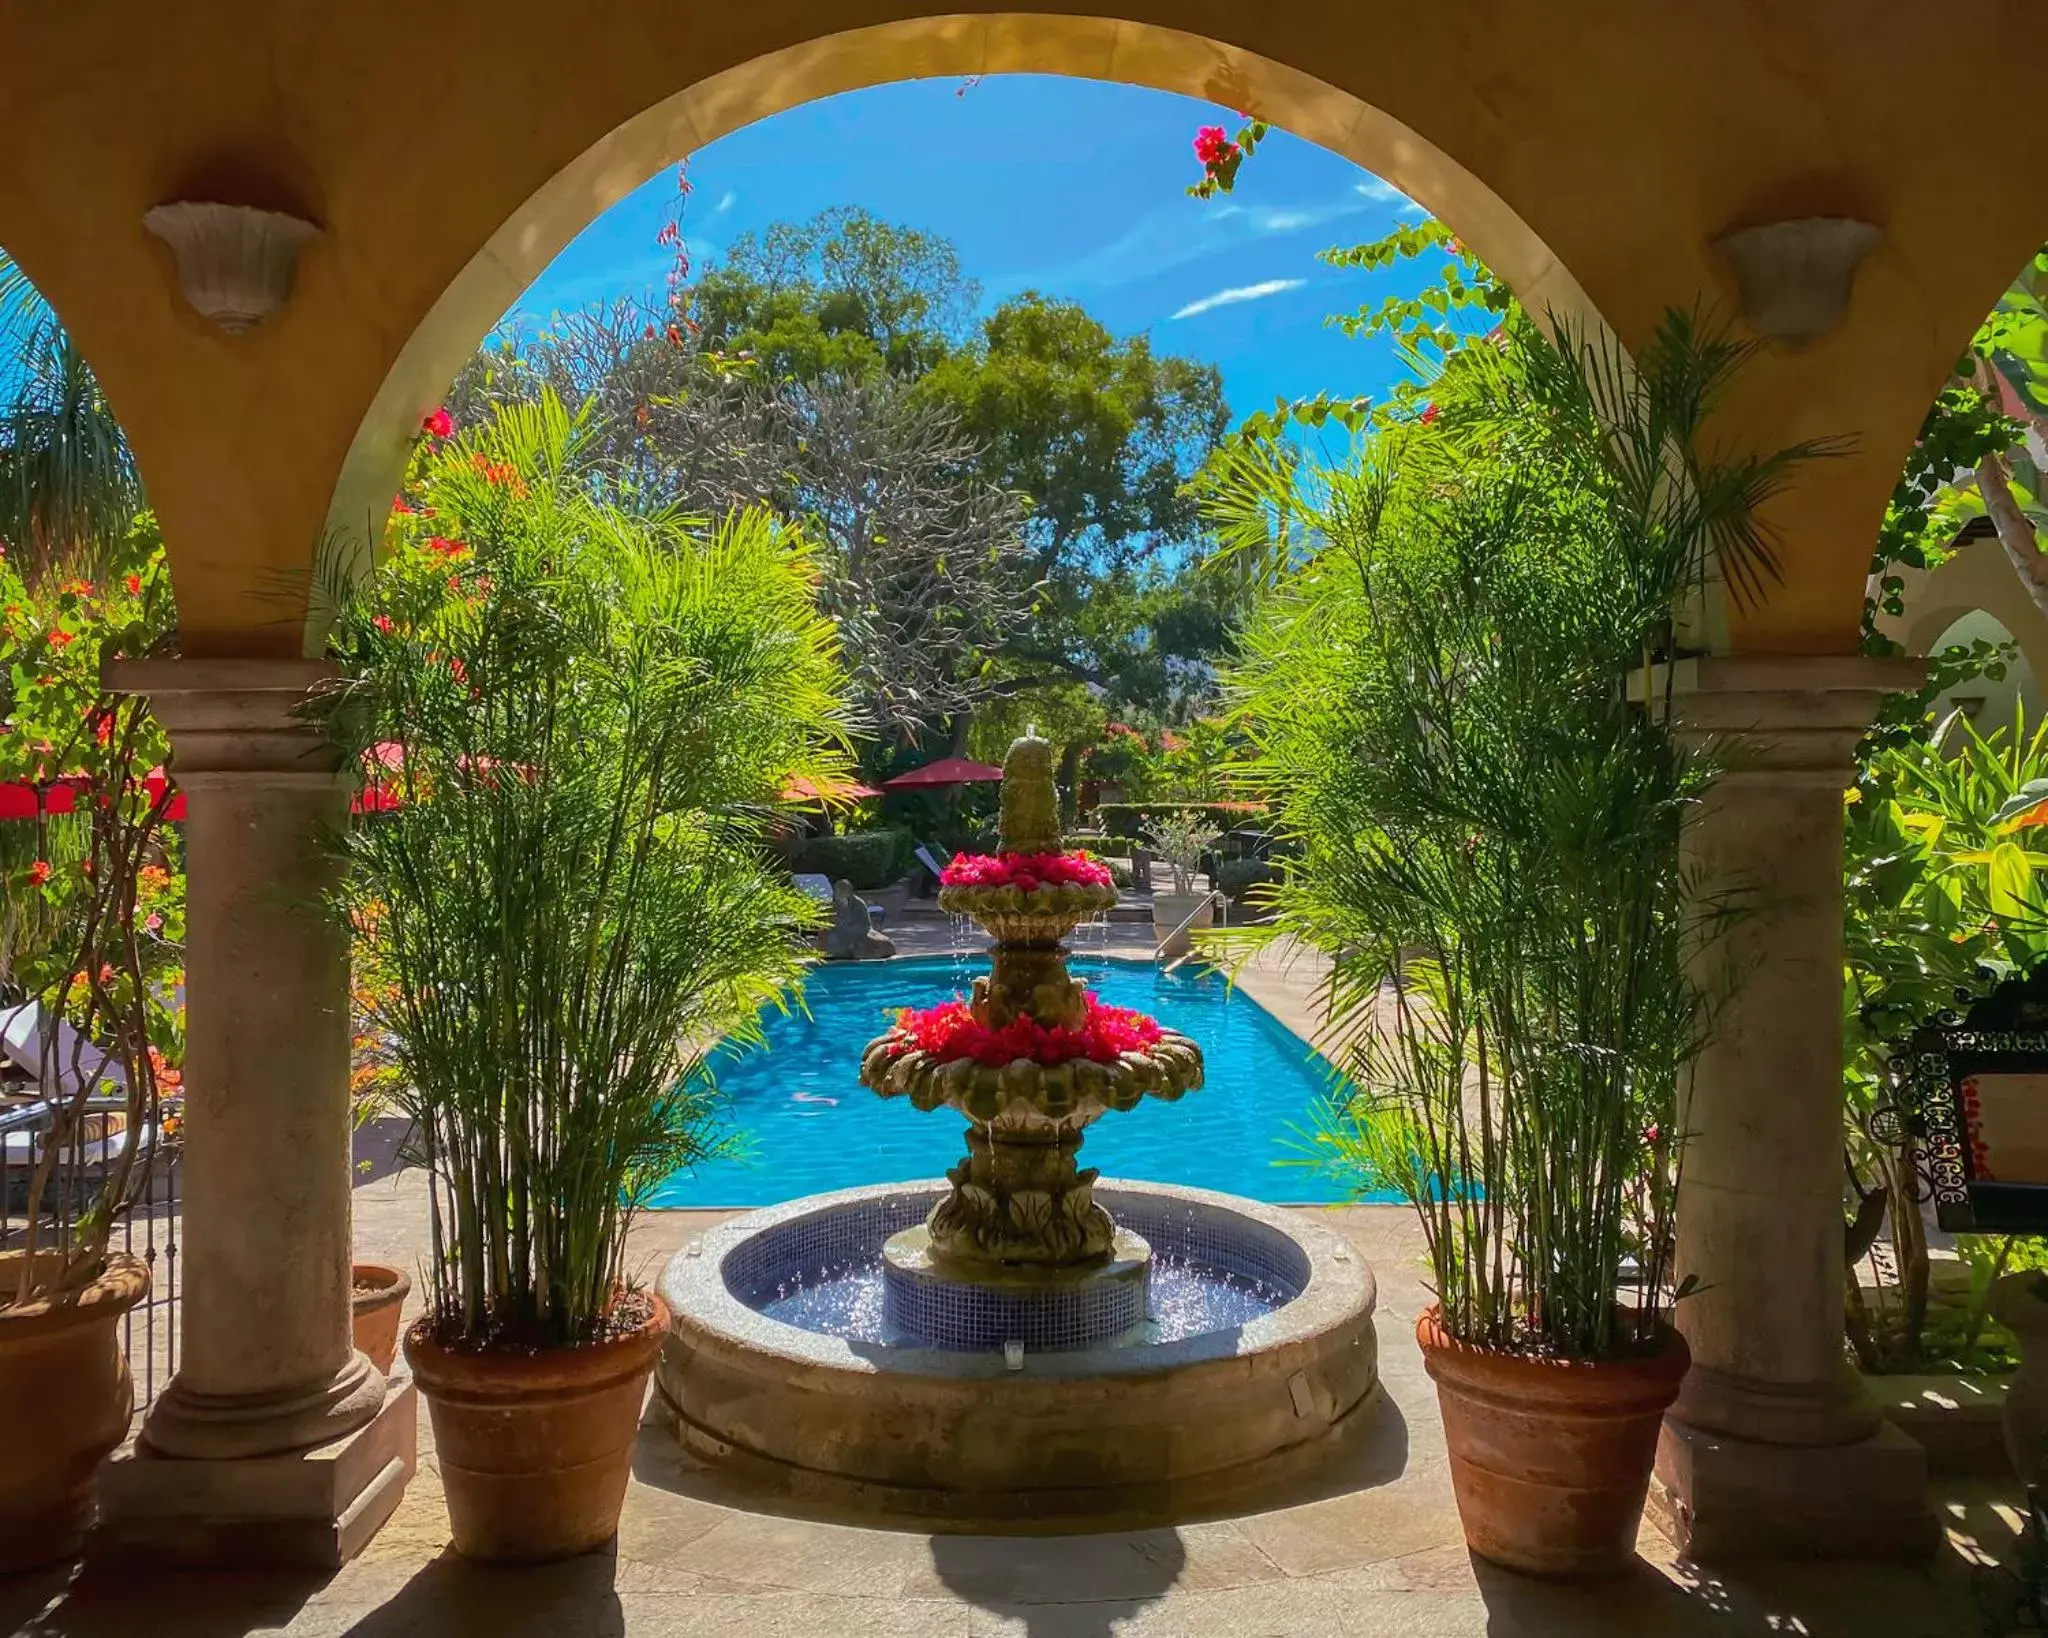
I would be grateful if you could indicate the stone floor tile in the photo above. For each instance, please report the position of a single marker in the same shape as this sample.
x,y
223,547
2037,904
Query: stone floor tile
x,y
800,1556
1390,1521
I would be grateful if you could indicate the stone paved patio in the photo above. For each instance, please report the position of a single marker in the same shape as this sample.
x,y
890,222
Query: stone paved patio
x,y
1372,1548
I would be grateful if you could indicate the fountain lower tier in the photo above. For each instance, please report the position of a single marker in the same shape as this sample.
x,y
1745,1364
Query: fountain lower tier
x,y
798,1368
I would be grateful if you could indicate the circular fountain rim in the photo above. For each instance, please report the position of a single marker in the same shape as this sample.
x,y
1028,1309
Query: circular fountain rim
x,y
1340,1289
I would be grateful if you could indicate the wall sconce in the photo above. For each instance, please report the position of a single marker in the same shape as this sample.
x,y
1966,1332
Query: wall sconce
x,y
235,263
1795,276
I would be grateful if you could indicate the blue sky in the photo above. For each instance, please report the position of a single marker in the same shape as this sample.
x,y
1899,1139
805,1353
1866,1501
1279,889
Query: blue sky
x,y
1066,186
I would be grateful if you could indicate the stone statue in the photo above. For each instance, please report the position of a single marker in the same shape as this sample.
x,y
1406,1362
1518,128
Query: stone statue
x,y
852,935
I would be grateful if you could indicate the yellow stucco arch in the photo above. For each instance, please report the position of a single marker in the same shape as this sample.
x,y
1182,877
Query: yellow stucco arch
x,y
445,153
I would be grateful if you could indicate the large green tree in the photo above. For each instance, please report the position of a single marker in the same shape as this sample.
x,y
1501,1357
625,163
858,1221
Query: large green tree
x,y
842,294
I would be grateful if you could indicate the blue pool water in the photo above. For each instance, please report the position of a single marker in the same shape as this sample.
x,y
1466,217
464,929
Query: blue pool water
x,y
807,1124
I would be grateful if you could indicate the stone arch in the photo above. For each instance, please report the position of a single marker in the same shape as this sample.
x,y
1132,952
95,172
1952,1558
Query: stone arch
x,y
1132,53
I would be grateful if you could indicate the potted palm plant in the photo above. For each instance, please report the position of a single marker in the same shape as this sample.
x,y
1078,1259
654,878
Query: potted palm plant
x,y
92,972
581,719
1490,828
1181,841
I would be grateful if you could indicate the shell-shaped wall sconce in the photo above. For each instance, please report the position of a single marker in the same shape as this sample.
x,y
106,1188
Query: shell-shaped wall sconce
x,y
1795,276
235,263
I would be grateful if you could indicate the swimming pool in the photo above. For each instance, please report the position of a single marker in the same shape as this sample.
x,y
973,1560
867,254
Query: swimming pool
x,y
808,1125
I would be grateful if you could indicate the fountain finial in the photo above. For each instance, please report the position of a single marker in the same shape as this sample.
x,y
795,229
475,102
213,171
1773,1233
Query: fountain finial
x,y
1031,807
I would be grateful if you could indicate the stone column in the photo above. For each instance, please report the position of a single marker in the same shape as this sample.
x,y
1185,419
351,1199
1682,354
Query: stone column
x,y
274,1426
1774,1446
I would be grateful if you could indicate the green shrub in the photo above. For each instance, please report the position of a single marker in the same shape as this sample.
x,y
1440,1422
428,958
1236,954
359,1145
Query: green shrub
x,y
1237,877
867,858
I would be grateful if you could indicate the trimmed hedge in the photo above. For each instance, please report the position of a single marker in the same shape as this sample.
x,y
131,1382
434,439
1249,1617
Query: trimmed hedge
x,y
867,858
1129,819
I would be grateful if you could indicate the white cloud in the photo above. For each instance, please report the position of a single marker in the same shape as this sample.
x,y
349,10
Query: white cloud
x,y
1242,292
731,198
1379,192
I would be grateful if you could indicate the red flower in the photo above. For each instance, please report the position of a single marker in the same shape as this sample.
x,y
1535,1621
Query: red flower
x,y
61,638
400,504
39,872
950,1032
103,730
134,585
1027,872
1213,147
385,623
440,424
1429,413
442,546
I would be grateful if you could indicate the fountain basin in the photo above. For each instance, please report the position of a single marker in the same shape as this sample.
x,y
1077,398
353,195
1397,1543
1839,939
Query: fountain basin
x,y
1081,1438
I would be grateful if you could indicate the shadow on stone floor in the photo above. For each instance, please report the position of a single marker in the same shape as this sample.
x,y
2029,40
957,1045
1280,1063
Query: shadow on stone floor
x,y
104,1599
1061,1586
374,1148
453,1598
1962,1591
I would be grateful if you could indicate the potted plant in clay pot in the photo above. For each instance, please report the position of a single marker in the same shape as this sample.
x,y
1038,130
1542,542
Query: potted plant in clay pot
x,y
1490,832
99,989
584,717
1181,841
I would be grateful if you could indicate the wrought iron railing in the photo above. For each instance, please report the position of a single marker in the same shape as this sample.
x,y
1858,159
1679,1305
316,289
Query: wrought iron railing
x,y
146,1220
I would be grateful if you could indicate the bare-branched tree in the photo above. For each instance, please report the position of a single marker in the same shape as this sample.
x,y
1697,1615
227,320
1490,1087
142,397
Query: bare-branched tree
x,y
927,571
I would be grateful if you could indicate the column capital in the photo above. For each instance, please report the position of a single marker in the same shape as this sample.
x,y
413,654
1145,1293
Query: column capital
x,y
1789,719
234,719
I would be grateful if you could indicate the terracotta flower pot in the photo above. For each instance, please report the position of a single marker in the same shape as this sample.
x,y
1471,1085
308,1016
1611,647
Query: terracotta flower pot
x,y
379,1293
535,1447
1550,1459
65,1400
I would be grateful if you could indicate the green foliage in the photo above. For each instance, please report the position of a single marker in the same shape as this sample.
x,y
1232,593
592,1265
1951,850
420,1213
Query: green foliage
x,y
867,858
57,727
1237,877
1489,827
592,714
842,294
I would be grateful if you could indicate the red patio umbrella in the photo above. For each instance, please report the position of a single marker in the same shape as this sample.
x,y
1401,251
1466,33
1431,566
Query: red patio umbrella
x,y
951,770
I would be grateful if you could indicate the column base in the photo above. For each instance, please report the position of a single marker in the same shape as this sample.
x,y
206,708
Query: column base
x,y
314,1509
210,1428
1721,1498
1748,1410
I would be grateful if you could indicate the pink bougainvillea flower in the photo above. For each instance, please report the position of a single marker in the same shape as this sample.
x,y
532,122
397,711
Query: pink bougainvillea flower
x,y
1213,146
440,424
1027,872
385,623
950,1032
39,872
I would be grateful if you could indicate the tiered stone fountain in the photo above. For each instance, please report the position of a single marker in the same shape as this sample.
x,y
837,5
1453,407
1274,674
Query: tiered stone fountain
x,y
1019,1249
1022,1341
